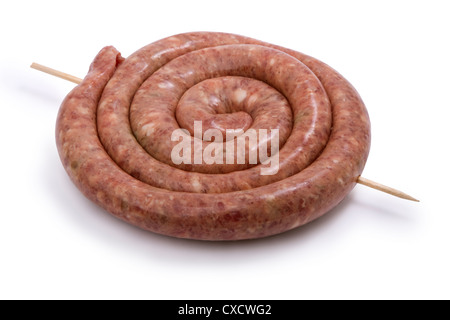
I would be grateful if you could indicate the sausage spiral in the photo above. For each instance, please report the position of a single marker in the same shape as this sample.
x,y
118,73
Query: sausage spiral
x,y
114,135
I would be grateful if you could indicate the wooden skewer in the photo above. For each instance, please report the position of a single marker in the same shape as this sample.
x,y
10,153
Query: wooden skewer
x,y
360,180
381,187
56,73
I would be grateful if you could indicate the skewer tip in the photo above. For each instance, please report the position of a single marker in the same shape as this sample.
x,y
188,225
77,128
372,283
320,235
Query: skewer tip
x,y
386,189
56,73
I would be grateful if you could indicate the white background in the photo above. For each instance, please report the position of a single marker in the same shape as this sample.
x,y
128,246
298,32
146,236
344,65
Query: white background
x,y
54,243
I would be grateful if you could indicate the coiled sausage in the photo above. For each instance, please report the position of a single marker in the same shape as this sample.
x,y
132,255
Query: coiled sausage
x,y
114,130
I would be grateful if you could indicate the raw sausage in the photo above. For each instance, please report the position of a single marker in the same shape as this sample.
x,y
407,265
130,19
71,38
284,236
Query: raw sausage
x,y
113,135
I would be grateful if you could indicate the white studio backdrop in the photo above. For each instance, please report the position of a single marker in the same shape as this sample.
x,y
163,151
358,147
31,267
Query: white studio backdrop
x,y
54,243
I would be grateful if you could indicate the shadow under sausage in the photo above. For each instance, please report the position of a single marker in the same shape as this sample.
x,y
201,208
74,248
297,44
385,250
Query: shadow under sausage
x,y
42,88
